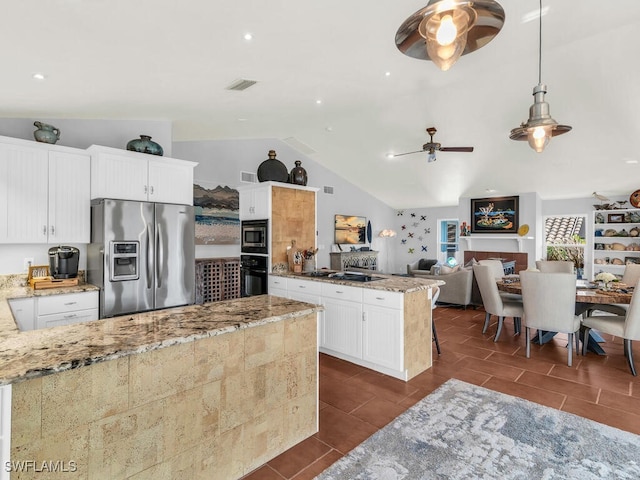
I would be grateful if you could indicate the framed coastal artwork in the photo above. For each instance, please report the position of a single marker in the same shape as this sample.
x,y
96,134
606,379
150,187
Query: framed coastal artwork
x,y
350,229
217,213
494,215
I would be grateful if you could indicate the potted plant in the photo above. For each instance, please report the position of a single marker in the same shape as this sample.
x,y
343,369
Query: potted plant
x,y
568,252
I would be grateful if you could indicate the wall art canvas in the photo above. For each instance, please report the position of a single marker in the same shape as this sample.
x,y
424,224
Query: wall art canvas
x,y
217,213
494,215
350,229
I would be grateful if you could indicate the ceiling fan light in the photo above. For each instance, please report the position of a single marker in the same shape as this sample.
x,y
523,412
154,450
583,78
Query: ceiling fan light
x,y
431,157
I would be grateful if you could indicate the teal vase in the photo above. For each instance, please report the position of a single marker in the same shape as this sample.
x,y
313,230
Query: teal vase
x,y
144,144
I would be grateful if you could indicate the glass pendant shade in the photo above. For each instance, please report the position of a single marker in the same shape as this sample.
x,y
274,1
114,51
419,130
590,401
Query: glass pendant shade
x,y
540,126
444,30
446,35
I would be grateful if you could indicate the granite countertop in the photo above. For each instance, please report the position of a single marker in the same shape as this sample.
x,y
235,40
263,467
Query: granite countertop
x,y
390,283
35,353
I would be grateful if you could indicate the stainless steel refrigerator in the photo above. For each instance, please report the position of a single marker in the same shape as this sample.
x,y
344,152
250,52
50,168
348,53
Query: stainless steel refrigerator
x,y
141,255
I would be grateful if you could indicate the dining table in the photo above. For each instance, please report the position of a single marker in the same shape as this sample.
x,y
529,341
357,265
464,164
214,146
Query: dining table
x,y
588,297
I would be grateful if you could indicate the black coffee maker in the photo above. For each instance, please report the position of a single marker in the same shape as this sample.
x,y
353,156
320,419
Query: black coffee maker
x,y
63,261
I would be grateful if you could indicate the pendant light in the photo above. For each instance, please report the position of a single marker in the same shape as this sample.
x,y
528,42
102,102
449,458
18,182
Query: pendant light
x,y
446,29
540,127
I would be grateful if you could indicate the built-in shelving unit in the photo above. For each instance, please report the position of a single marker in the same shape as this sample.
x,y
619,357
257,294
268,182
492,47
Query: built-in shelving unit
x,y
616,240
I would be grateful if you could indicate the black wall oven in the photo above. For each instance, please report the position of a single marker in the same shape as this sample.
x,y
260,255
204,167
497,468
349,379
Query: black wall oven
x,y
253,275
253,236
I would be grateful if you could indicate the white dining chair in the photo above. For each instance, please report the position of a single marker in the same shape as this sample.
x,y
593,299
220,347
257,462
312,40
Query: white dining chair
x,y
630,278
494,303
549,301
554,266
625,326
497,271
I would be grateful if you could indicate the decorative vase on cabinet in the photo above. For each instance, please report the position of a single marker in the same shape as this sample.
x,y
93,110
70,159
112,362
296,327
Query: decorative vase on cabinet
x,y
298,174
273,169
46,133
144,144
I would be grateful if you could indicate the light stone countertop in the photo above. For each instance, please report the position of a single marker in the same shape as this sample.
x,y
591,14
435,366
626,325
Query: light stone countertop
x,y
390,283
35,353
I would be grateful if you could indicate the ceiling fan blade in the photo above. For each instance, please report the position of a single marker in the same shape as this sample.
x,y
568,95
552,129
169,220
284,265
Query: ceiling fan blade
x,y
456,149
406,153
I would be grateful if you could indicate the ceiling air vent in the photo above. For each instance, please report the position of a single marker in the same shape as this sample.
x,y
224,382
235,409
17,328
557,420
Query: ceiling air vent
x,y
241,84
328,190
248,177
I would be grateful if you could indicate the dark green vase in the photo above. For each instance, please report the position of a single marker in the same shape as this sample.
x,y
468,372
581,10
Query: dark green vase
x,y
144,144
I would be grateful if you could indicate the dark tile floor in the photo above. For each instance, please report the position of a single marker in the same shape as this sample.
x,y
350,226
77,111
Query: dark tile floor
x,y
355,401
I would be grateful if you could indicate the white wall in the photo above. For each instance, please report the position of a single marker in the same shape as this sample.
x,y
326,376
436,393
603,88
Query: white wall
x,y
221,162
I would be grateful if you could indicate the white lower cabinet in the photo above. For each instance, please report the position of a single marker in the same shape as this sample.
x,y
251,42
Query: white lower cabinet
x,y
53,310
5,430
360,325
56,310
24,312
382,328
277,286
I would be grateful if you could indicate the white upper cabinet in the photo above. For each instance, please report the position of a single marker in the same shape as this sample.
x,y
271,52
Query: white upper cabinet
x,y
126,175
255,202
45,193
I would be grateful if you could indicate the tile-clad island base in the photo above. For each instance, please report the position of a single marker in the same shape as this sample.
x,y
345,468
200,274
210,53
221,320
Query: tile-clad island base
x,y
210,407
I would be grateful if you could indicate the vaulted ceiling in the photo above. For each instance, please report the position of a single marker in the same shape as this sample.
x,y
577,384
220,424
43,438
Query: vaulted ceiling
x,y
170,60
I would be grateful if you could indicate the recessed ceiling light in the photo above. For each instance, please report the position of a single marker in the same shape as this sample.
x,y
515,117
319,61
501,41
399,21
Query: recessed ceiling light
x,y
38,76
631,161
318,101
242,119
329,128
248,36
391,155
387,74
490,190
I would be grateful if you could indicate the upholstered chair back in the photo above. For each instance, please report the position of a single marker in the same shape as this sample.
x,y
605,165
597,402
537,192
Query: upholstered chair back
x,y
554,266
549,301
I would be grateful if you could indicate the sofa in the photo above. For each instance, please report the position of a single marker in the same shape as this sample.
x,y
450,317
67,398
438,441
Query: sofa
x,y
458,280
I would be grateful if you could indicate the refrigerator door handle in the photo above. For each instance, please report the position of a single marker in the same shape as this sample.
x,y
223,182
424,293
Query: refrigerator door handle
x,y
159,257
150,255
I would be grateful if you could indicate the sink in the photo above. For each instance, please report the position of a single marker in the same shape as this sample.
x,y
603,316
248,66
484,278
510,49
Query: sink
x,y
354,277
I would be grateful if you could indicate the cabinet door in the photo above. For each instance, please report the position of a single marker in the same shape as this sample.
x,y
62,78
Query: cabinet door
x,y
171,182
118,176
69,198
23,197
255,203
23,310
341,329
382,336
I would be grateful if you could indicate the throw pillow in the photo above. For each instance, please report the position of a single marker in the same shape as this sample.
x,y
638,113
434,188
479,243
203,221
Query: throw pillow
x,y
444,270
471,263
426,264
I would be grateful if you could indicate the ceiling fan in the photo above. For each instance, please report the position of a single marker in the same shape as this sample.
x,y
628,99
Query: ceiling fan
x,y
431,147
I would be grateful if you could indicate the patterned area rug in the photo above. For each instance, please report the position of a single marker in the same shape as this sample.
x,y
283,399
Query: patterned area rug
x,y
462,431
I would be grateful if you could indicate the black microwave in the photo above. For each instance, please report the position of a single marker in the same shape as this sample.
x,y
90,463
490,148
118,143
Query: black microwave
x,y
253,236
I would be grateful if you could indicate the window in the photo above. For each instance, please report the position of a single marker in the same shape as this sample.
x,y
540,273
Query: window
x,y
448,241
565,238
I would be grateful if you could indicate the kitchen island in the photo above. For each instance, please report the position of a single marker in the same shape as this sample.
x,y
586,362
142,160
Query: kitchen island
x,y
203,391
383,323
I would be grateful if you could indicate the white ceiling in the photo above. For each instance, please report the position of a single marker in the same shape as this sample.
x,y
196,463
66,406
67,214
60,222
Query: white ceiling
x,y
171,60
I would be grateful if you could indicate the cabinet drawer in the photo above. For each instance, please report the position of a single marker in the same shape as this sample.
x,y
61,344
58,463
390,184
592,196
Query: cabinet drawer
x,y
343,292
305,286
67,318
67,302
277,283
383,298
